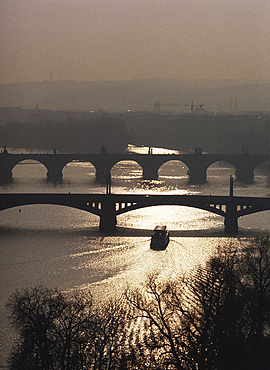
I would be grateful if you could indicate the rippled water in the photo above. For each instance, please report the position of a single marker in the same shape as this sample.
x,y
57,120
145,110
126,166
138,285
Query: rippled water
x,y
62,247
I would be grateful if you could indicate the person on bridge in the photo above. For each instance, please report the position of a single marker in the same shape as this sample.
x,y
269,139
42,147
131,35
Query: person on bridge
x,y
103,150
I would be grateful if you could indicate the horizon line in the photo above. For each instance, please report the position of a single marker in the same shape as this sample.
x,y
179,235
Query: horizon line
x,y
231,80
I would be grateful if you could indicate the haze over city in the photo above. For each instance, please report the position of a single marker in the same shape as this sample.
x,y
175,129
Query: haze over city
x,y
121,40
135,184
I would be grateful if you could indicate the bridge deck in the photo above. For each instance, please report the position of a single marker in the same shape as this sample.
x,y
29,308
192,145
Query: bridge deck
x,y
126,202
108,206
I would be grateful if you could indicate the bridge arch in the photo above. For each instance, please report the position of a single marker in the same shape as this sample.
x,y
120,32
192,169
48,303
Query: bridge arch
x,y
126,169
173,169
79,171
220,169
29,168
176,217
47,216
262,173
202,207
256,218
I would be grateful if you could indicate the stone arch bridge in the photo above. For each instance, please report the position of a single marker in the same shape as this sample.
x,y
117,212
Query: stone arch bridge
x,y
197,164
109,206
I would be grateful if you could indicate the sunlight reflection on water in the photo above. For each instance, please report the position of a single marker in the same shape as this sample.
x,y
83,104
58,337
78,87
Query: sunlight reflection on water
x,y
62,247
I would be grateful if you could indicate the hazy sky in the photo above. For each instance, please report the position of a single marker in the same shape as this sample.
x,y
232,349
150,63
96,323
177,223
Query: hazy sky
x,y
126,39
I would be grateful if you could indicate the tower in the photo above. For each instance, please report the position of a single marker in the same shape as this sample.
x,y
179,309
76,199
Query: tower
x,y
157,106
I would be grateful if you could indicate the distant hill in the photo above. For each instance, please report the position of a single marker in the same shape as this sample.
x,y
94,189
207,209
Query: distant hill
x,y
138,95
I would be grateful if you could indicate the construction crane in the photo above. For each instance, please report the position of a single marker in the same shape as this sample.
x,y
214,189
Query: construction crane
x,y
191,105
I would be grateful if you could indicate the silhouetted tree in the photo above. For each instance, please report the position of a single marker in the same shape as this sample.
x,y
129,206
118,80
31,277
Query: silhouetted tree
x,y
216,317
109,327
254,282
162,325
60,331
51,329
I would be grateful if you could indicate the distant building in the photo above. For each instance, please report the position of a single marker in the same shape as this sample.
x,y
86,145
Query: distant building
x,y
157,107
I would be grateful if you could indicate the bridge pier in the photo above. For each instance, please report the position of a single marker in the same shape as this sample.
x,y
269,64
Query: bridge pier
x,y
150,173
244,175
102,175
197,176
231,220
54,175
107,221
5,176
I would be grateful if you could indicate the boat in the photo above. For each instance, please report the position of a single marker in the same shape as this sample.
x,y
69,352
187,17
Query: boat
x,y
160,238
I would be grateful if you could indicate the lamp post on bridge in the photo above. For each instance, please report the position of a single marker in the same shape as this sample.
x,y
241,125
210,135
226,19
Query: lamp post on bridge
x,y
109,184
231,222
231,186
108,217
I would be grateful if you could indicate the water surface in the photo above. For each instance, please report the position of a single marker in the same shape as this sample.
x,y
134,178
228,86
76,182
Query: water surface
x,y
62,247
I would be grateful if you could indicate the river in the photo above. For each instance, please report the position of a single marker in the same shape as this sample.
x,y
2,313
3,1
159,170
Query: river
x,y
62,247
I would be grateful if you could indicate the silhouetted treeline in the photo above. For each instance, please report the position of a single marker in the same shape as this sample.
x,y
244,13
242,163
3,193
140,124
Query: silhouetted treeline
x,y
70,135
214,318
86,132
215,133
